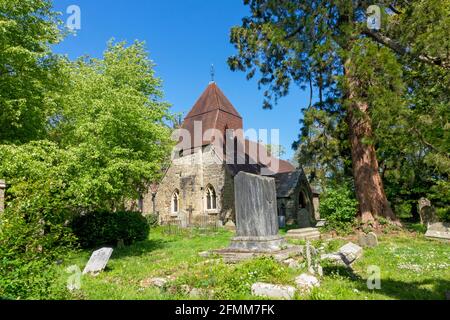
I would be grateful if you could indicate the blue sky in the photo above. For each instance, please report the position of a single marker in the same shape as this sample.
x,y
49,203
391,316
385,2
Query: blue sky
x,y
184,37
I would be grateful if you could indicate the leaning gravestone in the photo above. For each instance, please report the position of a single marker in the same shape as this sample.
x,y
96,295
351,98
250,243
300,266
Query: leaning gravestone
x,y
98,261
256,214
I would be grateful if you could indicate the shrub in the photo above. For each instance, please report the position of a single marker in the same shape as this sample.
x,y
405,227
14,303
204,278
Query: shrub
x,y
29,249
339,207
443,214
106,228
403,210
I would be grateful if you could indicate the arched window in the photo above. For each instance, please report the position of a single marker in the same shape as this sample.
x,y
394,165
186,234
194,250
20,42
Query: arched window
x,y
302,200
175,202
211,198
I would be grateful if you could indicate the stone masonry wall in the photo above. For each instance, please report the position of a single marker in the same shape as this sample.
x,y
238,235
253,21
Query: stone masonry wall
x,y
190,175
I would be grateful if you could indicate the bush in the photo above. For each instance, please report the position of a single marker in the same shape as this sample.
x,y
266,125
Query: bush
x,y
403,210
339,207
29,249
443,214
106,228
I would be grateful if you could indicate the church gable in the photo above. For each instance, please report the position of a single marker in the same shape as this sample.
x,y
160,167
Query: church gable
x,y
214,111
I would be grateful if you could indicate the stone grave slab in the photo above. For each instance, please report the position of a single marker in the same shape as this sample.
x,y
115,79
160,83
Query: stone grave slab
x,y
438,230
98,260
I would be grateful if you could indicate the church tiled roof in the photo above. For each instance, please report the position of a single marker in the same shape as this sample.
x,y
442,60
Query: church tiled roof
x,y
286,183
215,111
212,100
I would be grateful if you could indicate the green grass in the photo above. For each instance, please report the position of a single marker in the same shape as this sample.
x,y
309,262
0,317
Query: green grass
x,y
412,267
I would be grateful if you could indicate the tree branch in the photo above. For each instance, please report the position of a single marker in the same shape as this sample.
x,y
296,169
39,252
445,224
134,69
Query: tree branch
x,y
429,145
399,49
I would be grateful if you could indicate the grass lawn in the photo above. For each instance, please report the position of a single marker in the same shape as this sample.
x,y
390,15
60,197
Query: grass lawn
x,y
412,267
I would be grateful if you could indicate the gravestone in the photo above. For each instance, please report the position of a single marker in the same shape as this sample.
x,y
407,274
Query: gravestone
x,y
426,211
350,252
256,214
98,261
369,240
438,230
256,222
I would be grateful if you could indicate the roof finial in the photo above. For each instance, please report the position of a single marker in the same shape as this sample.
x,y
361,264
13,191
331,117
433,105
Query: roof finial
x,y
213,73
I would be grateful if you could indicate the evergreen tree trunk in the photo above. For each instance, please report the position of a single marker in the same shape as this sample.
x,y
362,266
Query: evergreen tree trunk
x,y
368,184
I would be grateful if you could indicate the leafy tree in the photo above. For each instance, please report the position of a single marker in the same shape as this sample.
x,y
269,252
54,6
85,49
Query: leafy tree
x,y
359,75
114,120
339,207
30,75
107,140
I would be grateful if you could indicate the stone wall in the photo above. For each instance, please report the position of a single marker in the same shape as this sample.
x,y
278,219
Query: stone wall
x,y
190,175
2,195
294,213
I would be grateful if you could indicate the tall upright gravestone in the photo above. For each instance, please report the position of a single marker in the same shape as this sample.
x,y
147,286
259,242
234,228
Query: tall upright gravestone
x,y
256,214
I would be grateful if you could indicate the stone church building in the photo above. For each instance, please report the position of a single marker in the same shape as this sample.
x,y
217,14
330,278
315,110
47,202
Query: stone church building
x,y
199,181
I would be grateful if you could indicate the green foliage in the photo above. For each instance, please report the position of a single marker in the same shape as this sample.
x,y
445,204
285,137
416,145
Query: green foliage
x,y
405,87
403,210
237,280
29,249
106,228
74,137
31,77
115,123
339,207
417,227
107,143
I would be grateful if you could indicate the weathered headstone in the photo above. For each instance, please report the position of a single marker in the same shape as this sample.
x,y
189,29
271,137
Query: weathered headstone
x,y
369,240
426,211
438,230
256,214
98,261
